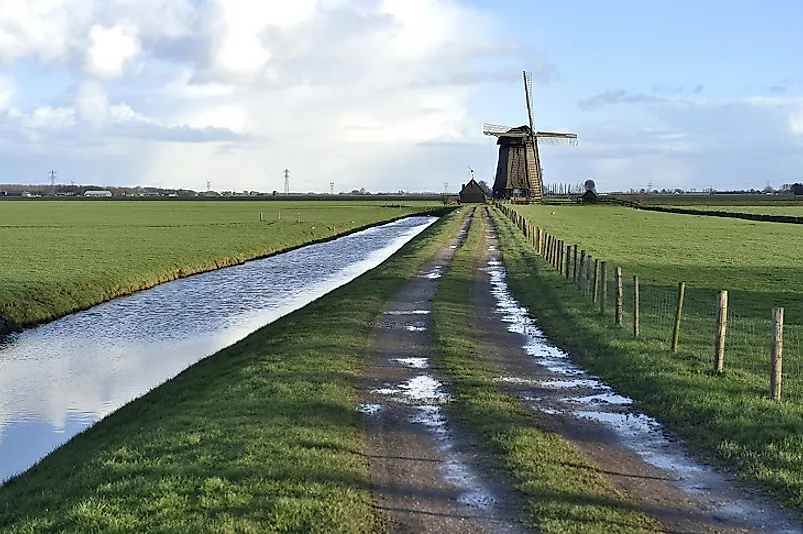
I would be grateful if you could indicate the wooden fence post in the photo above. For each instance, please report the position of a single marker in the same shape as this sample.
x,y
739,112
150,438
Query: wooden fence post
x,y
558,254
722,327
595,285
603,285
589,262
635,307
678,315
582,267
538,240
619,303
777,353
568,262
574,255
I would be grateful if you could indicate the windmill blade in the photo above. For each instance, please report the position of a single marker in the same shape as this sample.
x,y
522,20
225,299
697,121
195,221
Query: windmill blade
x,y
495,129
556,138
528,95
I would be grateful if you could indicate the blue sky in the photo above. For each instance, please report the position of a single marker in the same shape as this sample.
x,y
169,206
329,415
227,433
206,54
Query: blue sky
x,y
391,94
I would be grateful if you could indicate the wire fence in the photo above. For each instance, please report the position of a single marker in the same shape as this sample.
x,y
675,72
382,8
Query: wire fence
x,y
696,324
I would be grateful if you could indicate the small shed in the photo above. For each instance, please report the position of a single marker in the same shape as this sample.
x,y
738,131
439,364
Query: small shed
x,y
588,196
472,193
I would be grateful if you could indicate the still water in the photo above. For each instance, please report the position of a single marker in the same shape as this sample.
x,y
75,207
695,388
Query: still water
x,y
61,377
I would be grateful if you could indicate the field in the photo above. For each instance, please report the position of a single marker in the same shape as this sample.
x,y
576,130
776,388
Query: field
x,y
59,257
795,210
716,200
728,416
260,437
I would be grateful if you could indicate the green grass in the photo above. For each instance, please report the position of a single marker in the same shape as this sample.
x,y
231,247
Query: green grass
x,y
728,418
58,257
793,209
563,490
715,200
260,437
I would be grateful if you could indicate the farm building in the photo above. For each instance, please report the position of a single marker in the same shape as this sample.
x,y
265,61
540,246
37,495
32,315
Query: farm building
x,y
472,193
98,194
588,196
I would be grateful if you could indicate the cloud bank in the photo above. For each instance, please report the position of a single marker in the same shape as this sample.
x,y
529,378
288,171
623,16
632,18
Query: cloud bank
x,y
180,92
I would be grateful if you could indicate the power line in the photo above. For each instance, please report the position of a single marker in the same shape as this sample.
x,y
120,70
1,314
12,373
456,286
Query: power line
x,y
52,178
286,182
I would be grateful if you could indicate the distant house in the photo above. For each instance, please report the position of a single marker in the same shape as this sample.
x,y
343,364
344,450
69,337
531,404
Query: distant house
x,y
472,193
797,189
588,196
98,194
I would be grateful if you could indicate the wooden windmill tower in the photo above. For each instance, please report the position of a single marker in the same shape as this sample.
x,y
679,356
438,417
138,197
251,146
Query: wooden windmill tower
x,y
518,172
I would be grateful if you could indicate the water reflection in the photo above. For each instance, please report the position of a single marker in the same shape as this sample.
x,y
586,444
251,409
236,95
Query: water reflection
x,y
58,379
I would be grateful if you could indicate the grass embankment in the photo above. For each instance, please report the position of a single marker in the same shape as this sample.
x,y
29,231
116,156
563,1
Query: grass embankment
x,y
260,437
728,417
59,257
564,491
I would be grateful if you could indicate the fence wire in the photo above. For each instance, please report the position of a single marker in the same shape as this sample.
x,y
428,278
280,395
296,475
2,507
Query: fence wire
x,y
748,341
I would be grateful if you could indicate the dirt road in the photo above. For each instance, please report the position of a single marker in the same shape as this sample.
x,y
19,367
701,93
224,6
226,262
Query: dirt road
x,y
426,476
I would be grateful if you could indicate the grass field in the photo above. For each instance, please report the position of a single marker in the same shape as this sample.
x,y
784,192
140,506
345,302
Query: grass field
x,y
716,200
796,209
729,417
58,257
563,490
261,437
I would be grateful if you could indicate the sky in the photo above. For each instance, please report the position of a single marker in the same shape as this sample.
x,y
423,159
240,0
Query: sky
x,y
391,95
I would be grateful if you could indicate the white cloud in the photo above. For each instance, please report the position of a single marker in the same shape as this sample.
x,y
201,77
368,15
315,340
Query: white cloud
x,y
8,91
235,91
110,50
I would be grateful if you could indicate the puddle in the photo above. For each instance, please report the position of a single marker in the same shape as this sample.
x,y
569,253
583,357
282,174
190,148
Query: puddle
x,y
414,328
579,383
636,431
515,380
424,387
407,312
415,363
434,274
369,409
603,398
455,471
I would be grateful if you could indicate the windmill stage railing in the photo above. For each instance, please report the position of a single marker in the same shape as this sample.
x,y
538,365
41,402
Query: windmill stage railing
x,y
697,325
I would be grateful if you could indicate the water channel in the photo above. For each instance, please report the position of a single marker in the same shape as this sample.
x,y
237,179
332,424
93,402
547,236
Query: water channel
x,y
62,377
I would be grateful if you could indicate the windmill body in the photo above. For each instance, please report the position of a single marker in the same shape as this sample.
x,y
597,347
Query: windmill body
x,y
518,171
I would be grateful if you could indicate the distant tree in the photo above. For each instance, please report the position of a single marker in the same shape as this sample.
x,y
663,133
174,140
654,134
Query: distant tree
x,y
590,185
485,187
768,189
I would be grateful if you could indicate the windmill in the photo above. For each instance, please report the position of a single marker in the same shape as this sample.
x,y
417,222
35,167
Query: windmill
x,y
519,172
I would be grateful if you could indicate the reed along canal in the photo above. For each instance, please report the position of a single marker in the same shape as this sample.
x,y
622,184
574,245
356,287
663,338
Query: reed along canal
x,y
62,377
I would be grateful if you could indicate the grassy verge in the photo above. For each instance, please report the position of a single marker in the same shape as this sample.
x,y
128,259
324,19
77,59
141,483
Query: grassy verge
x,y
59,257
262,436
727,418
564,491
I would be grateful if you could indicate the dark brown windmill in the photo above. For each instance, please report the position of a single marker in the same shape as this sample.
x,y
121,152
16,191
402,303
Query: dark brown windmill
x,y
518,172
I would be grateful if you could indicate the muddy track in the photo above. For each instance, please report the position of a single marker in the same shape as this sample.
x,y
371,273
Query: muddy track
x,y
426,476
628,447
